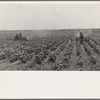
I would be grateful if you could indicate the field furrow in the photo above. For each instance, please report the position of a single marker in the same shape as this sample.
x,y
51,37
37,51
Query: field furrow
x,y
59,52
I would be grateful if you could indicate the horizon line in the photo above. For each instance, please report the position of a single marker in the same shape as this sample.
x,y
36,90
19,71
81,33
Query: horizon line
x,y
44,29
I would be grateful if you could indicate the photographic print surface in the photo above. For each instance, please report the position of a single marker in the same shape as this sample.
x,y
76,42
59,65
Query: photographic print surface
x,y
50,36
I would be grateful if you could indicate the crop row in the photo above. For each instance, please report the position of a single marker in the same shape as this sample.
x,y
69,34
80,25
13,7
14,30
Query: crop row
x,y
65,62
93,61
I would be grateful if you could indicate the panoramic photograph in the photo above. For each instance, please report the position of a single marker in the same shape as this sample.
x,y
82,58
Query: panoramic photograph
x,y
49,36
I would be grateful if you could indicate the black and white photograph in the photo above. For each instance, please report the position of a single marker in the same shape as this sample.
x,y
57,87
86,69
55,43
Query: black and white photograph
x,y
50,36
49,50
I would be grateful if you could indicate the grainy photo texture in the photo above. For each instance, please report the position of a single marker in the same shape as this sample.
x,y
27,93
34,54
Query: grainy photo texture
x,y
50,36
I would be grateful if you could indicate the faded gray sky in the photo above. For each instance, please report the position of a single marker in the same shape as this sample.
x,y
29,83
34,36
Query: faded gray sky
x,y
49,15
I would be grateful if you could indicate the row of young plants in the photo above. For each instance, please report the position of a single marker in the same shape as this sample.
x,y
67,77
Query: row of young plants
x,y
93,60
65,61
79,63
94,46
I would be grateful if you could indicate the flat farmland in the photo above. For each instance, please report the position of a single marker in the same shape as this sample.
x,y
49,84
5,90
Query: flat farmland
x,y
50,50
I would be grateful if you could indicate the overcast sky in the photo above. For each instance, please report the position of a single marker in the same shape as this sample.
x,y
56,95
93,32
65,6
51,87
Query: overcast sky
x,y
49,15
